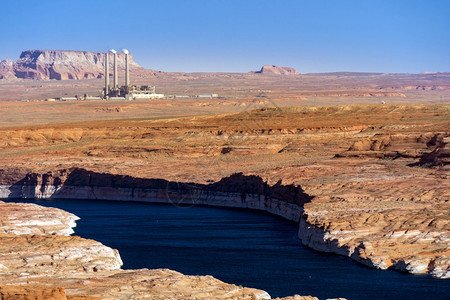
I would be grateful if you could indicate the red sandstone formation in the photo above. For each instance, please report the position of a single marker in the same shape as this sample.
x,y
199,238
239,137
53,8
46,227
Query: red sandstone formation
x,y
60,65
277,70
6,69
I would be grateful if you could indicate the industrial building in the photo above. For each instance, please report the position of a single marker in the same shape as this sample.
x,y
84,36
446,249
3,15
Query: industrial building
x,y
207,96
127,91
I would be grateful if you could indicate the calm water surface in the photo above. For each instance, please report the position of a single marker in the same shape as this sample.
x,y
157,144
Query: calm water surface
x,y
237,246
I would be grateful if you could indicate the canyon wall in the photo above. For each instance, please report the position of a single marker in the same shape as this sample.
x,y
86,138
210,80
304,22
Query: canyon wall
x,y
235,191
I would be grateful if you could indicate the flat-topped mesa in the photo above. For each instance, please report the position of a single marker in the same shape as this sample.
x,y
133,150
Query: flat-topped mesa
x,y
276,70
64,64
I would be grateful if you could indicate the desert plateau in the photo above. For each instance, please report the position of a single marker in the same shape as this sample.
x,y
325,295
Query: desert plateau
x,y
359,161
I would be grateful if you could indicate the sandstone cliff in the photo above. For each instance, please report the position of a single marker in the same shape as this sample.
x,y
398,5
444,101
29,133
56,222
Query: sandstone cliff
x,y
277,70
60,65
6,69
236,190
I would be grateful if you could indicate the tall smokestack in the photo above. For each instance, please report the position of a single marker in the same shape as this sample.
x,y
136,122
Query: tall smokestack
x,y
116,76
106,75
127,68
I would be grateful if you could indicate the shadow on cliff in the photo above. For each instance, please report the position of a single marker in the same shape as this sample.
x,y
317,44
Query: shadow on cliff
x,y
52,184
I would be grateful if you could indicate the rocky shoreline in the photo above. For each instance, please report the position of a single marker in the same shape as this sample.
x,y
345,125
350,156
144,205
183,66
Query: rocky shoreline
x,y
368,253
251,192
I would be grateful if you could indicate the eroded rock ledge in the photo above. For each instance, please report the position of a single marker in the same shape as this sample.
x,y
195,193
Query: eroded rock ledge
x,y
383,239
27,218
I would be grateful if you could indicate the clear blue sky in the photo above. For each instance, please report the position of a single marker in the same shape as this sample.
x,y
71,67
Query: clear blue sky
x,y
408,36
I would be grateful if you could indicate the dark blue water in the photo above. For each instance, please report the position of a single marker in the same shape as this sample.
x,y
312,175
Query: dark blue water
x,y
237,246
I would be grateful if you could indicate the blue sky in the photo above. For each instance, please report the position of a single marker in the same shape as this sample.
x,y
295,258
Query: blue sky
x,y
405,36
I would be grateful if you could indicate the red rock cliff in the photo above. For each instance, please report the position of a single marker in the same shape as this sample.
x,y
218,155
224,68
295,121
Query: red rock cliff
x,y
62,65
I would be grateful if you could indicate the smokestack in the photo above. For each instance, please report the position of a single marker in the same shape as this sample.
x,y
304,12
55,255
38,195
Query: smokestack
x,y
127,68
106,75
116,76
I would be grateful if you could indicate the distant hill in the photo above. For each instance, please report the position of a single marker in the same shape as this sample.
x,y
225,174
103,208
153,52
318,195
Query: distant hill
x,y
60,65
276,70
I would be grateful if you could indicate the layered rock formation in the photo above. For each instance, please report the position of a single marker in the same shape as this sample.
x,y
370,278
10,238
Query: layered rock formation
x,y
430,147
21,219
36,240
392,236
234,191
439,156
7,69
60,65
276,70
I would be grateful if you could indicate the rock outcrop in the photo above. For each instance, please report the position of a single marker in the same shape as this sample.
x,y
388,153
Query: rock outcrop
x,y
439,156
430,149
60,65
276,70
7,69
36,240
28,218
385,238
37,255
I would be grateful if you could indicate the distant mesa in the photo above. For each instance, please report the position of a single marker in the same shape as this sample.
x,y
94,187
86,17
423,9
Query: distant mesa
x,y
59,65
7,69
276,70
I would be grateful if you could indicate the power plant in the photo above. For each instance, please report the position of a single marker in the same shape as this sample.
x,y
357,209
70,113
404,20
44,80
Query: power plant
x,y
127,91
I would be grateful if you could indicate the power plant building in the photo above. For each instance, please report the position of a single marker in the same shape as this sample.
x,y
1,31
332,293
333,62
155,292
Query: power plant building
x,y
127,91
140,92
